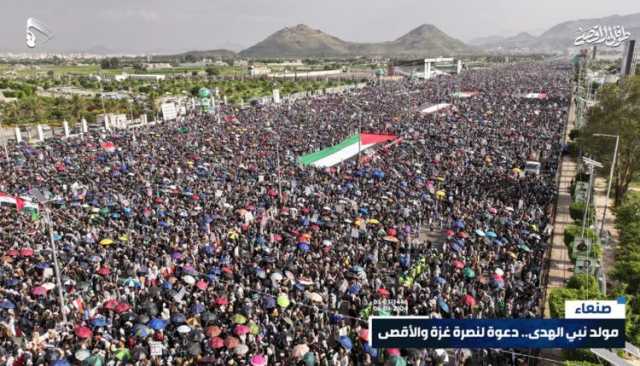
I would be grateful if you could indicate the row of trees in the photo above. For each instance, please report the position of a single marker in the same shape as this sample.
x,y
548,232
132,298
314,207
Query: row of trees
x,y
617,113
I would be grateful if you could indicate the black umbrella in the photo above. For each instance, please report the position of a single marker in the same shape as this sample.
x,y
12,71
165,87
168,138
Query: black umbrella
x,y
143,318
195,349
208,317
150,308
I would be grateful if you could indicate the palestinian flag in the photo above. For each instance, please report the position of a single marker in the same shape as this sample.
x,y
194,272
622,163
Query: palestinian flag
x,y
19,202
345,150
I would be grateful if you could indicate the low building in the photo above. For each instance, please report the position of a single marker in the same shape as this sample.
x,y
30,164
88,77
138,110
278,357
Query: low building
x,y
257,70
155,66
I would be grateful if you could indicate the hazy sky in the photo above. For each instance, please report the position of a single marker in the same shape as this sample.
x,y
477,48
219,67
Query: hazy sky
x,y
174,25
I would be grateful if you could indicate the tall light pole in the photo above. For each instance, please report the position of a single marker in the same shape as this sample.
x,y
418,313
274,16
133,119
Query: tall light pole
x,y
591,164
613,164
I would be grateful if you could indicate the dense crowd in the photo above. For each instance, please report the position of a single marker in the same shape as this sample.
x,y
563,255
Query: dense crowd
x,y
206,239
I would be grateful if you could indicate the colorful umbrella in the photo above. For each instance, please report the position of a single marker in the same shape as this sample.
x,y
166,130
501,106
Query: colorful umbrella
x,y
258,360
241,329
283,301
213,331
82,332
216,343
469,300
231,342
239,319
38,291
299,351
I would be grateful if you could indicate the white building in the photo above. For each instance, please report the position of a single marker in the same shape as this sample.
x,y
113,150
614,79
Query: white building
x,y
152,77
240,63
257,70
153,66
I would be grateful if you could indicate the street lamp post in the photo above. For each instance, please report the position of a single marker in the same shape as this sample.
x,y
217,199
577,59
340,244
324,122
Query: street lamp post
x,y
591,164
613,164
55,262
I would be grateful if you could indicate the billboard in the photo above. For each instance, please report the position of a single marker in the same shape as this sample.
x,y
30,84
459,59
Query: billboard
x,y
169,111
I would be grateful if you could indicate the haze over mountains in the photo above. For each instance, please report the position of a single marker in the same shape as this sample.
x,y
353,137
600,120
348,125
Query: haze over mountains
x,y
559,37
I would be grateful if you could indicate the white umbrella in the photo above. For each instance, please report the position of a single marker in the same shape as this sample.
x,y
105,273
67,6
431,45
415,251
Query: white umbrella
x,y
499,272
49,286
276,276
314,296
189,280
241,349
184,329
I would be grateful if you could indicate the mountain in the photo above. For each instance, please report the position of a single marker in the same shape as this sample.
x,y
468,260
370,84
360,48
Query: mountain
x,y
303,41
298,41
560,37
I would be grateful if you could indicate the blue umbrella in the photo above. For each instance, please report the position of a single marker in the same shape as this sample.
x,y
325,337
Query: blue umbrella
x,y
157,324
346,343
208,250
178,318
141,330
372,351
11,282
443,305
441,281
42,265
491,234
364,211
167,285
99,322
480,232
6,304
456,247
458,224
197,308
378,174
57,237
304,247
355,289
268,302
357,269
335,318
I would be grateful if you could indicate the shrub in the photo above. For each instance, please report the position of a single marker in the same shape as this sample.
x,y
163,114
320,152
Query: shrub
x,y
572,231
576,210
574,133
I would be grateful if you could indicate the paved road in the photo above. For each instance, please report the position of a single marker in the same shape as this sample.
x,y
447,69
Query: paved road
x,y
560,266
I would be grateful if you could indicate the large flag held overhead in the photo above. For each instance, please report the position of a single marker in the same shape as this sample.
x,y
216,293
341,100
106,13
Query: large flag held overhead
x,y
19,202
346,149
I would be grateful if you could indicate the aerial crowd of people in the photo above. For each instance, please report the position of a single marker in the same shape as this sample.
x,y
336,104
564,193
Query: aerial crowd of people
x,y
204,241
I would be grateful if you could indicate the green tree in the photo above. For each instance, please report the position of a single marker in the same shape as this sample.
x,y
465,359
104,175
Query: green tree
x,y
617,113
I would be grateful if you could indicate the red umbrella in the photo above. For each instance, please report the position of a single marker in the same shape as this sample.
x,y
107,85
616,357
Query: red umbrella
x,y
110,304
383,292
458,264
82,332
469,300
201,284
222,301
39,291
450,233
392,232
462,234
213,331
241,329
12,253
216,342
231,342
226,269
26,252
393,351
104,271
122,308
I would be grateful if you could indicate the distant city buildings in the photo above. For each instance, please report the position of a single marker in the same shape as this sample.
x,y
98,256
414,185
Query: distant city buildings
x,y
257,70
149,77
